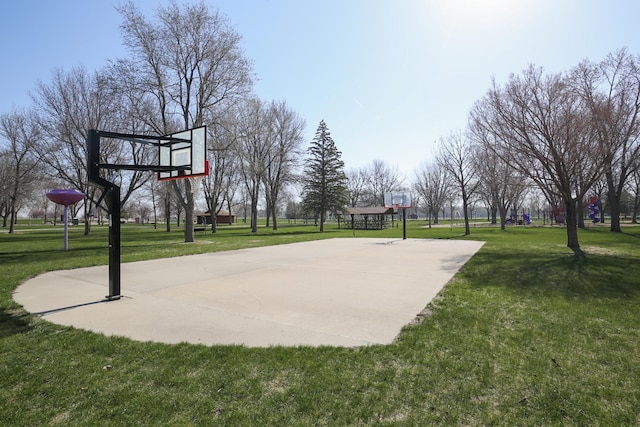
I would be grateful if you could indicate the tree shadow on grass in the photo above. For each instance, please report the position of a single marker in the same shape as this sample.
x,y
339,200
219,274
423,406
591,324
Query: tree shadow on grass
x,y
50,254
577,275
12,322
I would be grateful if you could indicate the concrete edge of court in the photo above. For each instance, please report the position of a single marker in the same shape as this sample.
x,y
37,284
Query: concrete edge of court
x,y
334,292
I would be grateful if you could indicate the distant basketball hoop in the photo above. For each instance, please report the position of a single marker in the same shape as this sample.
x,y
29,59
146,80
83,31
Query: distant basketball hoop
x,y
397,201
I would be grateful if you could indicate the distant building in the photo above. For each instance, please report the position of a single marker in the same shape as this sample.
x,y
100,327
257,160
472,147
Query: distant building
x,y
223,217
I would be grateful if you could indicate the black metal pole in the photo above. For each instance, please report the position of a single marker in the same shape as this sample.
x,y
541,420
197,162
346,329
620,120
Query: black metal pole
x,y
113,202
404,223
113,207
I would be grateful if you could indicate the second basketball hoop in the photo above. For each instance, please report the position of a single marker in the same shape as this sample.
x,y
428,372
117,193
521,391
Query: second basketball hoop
x,y
399,201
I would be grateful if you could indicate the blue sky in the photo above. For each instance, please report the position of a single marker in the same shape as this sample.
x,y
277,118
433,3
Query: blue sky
x,y
389,77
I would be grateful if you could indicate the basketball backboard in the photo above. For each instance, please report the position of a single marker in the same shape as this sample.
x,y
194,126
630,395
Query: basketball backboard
x,y
185,151
397,200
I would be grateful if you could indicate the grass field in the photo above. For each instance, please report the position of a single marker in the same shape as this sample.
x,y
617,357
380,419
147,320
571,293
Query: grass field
x,y
527,333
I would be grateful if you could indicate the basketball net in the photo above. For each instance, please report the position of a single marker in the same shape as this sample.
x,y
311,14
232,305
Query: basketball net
x,y
196,183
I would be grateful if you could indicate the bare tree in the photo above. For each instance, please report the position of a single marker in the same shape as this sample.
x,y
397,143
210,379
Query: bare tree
x,y
169,203
70,104
500,184
20,132
611,91
189,67
6,178
542,128
284,156
223,162
380,179
432,185
153,188
455,155
356,184
67,107
255,143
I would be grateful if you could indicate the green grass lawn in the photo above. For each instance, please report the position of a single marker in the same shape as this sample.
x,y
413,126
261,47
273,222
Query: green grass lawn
x,y
527,333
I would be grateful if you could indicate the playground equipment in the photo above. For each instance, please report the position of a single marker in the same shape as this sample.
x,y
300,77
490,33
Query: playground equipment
x,y
66,198
514,218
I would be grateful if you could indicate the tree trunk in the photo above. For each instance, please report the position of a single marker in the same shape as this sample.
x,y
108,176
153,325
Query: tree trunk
x,y
254,213
272,202
214,222
268,214
572,226
12,220
580,213
254,194
254,217
155,209
614,204
87,221
465,211
188,226
494,215
503,218
188,215
167,210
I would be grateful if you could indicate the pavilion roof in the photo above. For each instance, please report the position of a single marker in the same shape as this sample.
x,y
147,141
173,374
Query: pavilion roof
x,y
370,210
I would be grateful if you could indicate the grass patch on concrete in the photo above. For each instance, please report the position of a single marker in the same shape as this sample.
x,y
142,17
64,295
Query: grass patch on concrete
x,y
527,333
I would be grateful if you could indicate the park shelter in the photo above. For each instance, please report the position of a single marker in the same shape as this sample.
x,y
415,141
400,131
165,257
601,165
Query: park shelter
x,y
223,217
369,217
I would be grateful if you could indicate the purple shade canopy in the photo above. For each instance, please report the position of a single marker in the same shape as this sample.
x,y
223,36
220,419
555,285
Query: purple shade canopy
x,y
65,197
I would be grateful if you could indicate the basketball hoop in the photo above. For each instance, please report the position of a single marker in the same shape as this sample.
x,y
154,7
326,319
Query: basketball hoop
x,y
399,201
181,155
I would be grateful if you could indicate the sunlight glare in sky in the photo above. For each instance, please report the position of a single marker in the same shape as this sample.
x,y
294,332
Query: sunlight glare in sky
x,y
478,22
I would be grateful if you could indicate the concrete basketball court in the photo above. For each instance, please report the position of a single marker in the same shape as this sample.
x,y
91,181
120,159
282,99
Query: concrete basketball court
x,y
337,292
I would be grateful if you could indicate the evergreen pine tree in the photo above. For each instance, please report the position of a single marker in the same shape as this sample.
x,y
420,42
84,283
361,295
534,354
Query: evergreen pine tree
x,y
325,183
